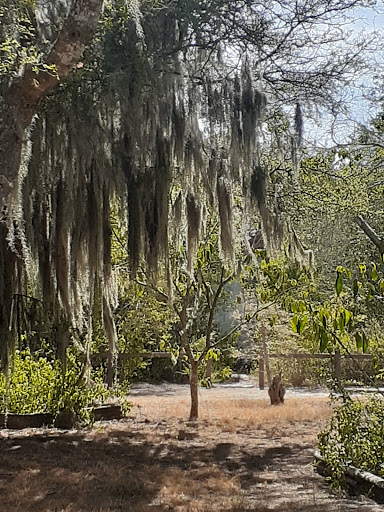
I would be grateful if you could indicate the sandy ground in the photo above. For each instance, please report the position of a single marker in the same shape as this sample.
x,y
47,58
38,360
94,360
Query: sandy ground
x,y
242,455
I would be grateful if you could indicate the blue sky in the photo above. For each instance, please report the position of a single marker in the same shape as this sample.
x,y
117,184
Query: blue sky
x,y
368,21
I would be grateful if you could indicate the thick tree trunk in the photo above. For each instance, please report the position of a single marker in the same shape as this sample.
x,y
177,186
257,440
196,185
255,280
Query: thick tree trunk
x,y
21,99
193,384
19,104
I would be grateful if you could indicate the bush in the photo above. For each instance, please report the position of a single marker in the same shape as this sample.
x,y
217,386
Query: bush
x,y
354,435
37,384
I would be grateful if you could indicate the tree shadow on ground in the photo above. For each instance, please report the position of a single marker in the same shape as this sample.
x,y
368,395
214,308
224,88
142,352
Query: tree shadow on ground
x,y
120,468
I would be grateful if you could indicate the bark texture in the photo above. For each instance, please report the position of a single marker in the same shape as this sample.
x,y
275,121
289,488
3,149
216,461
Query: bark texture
x,y
193,383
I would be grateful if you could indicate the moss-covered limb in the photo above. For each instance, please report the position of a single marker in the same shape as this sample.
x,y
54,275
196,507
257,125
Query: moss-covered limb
x,y
23,94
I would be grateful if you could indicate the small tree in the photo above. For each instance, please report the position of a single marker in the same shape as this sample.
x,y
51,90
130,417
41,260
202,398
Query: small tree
x,y
199,294
196,297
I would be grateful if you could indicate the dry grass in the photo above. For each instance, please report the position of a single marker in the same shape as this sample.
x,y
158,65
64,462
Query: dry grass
x,y
243,455
235,413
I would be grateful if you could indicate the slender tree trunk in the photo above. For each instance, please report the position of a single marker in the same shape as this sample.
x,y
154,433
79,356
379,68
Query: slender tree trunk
x,y
193,384
276,391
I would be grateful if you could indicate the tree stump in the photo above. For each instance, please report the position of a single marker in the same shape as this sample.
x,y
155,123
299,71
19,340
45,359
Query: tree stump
x,y
276,391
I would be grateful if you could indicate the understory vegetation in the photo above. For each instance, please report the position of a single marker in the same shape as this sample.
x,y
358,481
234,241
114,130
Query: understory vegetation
x,y
40,383
354,436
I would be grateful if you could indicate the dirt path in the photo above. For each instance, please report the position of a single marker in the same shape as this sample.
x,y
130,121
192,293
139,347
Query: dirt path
x,y
243,455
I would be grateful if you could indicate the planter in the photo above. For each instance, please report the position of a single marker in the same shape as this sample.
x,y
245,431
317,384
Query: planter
x,y
19,421
108,412
357,481
38,420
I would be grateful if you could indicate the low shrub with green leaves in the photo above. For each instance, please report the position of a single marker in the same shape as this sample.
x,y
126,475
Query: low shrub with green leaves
x,y
38,384
354,436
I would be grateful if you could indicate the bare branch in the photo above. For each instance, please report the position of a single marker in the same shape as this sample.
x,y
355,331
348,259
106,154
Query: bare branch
x,y
371,234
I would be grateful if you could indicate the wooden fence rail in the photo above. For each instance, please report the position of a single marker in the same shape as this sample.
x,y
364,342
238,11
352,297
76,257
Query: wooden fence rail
x,y
128,355
337,358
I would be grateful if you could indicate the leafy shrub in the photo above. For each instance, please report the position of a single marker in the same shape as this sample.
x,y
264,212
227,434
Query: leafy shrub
x,y
354,435
37,384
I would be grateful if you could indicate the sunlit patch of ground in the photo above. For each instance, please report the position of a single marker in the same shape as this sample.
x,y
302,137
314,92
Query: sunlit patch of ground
x,y
242,455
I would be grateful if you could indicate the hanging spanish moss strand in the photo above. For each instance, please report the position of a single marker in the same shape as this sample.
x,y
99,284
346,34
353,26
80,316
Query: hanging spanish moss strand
x,y
224,198
299,124
296,141
146,117
177,210
193,220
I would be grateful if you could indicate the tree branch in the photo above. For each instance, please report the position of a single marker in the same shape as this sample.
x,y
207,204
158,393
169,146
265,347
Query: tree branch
x,y
371,234
153,288
24,94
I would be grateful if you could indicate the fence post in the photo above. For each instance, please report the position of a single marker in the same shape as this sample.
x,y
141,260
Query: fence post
x,y
337,362
261,373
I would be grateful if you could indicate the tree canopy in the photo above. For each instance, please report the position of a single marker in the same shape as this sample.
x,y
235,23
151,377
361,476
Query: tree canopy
x,y
167,97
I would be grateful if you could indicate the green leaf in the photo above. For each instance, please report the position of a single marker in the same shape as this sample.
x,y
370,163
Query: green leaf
x,y
339,283
273,320
359,340
371,292
294,323
302,324
323,341
211,354
374,271
348,316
